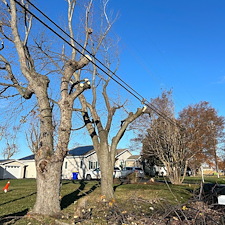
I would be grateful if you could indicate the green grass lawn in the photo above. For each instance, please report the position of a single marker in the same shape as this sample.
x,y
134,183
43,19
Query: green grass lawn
x,y
135,198
207,179
198,179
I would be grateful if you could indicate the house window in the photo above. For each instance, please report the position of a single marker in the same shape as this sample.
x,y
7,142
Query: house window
x,y
65,165
93,165
81,164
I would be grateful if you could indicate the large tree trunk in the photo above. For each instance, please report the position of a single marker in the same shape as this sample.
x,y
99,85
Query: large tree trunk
x,y
107,184
107,168
107,178
48,162
48,189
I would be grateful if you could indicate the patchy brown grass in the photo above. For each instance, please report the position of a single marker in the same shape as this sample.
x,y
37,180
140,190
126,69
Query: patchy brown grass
x,y
82,203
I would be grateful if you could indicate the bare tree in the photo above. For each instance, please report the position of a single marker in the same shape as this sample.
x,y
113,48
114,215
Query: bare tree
x,y
164,139
167,142
51,80
98,126
33,137
10,149
29,81
8,142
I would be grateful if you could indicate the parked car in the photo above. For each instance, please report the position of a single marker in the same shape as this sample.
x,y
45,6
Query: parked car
x,y
188,172
117,172
128,170
96,173
93,174
162,171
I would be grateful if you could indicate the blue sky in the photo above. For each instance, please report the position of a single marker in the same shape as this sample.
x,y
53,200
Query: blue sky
x,y
176,44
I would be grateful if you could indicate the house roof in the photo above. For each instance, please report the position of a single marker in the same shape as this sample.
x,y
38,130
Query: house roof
x,y
3,161
29,157
120,151
134,157
82,150
79,151
10,161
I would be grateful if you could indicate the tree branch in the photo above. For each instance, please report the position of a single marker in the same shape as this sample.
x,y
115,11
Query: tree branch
x,y
71,7
131,117
88,30
24,92
27,24
26,63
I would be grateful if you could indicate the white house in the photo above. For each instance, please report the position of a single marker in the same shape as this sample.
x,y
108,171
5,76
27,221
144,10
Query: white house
x,y
84,158
78,160
12,169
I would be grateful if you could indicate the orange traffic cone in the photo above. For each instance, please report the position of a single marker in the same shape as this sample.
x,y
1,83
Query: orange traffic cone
x,y
6,188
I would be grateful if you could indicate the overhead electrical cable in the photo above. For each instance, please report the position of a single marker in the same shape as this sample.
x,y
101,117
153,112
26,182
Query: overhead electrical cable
x,y
104,71
127,87
85,49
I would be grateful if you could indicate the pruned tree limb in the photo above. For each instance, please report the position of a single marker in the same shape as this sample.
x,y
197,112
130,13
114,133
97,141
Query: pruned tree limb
x,y
24,92
131,117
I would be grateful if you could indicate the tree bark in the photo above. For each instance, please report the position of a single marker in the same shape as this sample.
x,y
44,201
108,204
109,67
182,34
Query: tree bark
x,y
48,189
107,168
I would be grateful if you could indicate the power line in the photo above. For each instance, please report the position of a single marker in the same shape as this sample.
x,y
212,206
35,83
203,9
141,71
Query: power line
x,y
99,61
84,48
104,71
127,87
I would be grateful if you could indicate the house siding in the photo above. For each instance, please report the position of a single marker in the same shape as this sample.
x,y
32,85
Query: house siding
x,y
78,164
30,170
121,159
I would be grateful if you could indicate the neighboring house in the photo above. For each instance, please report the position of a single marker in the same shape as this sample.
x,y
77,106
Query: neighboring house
x,y
12,169
133,161
84,158
122,155
207,169
78,160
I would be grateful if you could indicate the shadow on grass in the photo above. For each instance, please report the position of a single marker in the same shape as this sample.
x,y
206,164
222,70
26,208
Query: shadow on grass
x,y
69,199
12,218
18,199
116,186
